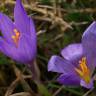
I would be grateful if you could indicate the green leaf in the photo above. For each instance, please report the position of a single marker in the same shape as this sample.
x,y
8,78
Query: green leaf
x,y
43,90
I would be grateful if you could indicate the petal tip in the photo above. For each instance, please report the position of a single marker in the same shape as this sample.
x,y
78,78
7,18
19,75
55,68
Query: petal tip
x,y
91,28
72,50
88,86
18,1
50,63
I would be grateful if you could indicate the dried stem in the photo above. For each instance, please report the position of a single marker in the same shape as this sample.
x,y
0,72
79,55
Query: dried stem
x,y
23,82
20,78
57,92
12,87
46,13
22,94
86,94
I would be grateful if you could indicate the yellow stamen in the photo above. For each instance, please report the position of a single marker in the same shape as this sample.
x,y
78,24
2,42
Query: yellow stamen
x,y
16,36
83,71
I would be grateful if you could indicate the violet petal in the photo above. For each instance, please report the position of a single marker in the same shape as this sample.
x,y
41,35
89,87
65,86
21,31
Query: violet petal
x,y
89,46
21,19
84,84
72,51
70,79
7,27
58,64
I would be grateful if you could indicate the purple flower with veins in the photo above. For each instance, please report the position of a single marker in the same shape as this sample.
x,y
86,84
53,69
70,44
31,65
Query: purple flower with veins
x,y
78,62
19,38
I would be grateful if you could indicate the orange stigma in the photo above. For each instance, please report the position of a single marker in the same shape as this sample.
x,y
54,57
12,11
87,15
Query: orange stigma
x,y
16,36
83,70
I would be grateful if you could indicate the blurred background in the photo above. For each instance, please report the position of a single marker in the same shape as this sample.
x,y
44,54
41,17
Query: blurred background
x,y
58,23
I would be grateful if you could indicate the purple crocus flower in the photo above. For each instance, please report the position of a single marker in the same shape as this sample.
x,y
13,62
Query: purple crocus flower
x,y
19,38
78,61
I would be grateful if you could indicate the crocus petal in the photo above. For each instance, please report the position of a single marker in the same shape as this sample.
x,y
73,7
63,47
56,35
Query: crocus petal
x,y
7,27
69,79
72,51
24,53
21,19
33,36
32,29
58,64
28,48
33,33
84,84
8,49
89,45
2,44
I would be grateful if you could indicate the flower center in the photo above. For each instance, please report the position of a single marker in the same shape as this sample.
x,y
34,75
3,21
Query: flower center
x,y
83,70
16,36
